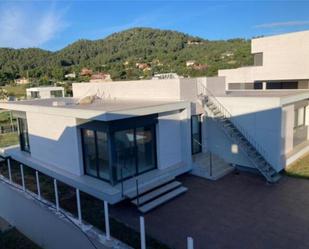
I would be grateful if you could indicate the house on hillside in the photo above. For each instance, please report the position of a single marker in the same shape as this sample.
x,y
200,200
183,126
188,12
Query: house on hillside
x,y
70,76
162,76
195,65
190,63
131,139
143,66
100,77
22,81
85,72
194,42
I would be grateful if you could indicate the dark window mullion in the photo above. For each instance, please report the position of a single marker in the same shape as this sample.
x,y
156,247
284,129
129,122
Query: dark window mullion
x,y
96,153
135,153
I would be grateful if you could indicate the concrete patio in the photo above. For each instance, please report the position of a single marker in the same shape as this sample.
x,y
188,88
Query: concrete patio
x,y
238,211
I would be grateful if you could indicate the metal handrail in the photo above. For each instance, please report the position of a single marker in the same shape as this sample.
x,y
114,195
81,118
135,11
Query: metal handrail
x,y
207,93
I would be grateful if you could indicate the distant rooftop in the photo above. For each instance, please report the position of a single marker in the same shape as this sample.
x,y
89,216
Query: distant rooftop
x,y
45,88
266,93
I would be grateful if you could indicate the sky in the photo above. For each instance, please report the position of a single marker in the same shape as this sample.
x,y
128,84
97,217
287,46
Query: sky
x,y
53,25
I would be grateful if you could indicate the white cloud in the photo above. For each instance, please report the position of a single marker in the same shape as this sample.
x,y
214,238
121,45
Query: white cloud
x,y
282,24
28,27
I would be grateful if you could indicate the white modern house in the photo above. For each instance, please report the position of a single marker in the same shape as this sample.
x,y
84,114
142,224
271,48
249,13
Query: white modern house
x,y
131,139
45,92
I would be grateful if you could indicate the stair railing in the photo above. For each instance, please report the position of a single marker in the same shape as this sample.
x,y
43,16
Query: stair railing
x,y
205,92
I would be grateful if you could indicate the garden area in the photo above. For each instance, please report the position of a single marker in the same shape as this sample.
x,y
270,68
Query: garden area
x,y
8,136
300,168
8,139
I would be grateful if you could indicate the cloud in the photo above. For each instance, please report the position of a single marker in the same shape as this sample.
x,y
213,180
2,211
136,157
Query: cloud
x,y
282,24
22,27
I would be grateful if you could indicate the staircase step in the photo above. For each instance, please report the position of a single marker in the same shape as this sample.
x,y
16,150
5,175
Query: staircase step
x,y
276,177
157,192
147,187
162,199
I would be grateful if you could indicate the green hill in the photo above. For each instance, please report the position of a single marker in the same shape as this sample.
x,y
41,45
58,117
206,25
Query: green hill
x,y
163,51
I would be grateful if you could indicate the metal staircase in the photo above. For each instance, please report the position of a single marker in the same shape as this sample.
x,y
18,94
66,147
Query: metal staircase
x,y
253,151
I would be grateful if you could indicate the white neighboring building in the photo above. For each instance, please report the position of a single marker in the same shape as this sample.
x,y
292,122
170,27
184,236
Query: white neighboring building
x,y
163,76
155,130
70,76
280,62
45,92
22,81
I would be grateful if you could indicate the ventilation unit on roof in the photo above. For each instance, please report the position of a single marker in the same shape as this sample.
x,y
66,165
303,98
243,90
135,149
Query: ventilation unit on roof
x,y
59,103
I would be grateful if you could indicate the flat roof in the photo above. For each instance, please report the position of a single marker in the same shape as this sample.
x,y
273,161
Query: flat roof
x,y
103,110
292,33
45,88
284,97
265,93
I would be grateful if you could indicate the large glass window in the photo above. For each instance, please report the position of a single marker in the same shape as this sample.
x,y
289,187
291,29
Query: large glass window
x,y
145,148
35,94
117,150
134,151
96,153
23,134
103,155
56,94
196,134
125,154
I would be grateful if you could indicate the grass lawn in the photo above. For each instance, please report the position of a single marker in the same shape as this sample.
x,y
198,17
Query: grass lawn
x,y
8,139
18,90
5,118
300,168
13,239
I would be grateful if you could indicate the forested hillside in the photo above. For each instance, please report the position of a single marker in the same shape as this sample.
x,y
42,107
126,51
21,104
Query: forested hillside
x,y
119,54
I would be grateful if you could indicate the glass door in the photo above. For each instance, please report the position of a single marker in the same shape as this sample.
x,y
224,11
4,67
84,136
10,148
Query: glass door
x,y
145,144
125,160
134,151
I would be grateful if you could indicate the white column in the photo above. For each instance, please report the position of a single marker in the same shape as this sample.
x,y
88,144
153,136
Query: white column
x,y
79,212
190,244
38,184
22,176
9,169
106,216
264,85
142,232
56,195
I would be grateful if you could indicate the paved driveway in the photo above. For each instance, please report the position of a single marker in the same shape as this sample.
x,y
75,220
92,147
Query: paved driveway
x,y
238,211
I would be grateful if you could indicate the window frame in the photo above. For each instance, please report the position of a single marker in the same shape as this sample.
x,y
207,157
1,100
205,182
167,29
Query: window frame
x,y
110,128
199,116
96,155
296,115
22,135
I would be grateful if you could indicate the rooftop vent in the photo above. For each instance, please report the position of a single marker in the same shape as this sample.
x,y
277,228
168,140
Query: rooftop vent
x,y
59,103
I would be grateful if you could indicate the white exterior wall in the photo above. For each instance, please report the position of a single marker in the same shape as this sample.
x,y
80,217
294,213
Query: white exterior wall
x,y
137,90
262,120
165,89
285,57
44,92
287,128
54,140
169,139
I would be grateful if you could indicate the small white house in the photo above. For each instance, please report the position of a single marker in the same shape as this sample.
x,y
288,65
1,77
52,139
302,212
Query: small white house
x,y
45,92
